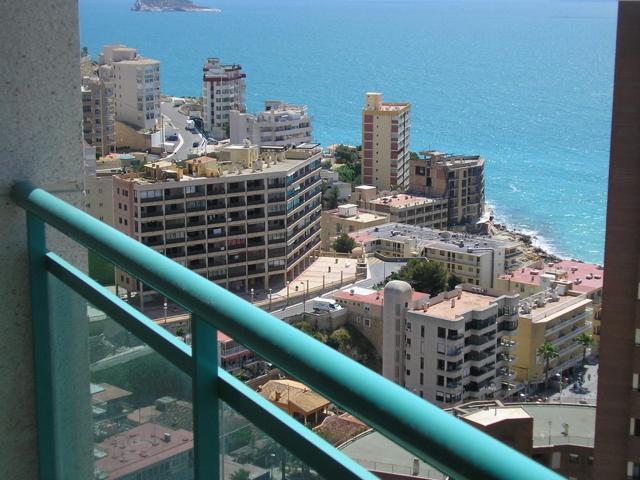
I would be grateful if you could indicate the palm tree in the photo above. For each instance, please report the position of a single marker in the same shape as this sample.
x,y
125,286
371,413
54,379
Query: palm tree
x,y
586,341
548,351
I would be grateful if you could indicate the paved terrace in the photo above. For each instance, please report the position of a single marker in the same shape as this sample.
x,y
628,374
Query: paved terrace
x,y
586,277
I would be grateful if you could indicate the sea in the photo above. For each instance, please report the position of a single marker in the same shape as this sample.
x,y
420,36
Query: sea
x,y
526,84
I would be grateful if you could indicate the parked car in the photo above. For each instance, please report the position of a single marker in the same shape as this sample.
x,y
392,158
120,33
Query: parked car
x,y
172,138
196,144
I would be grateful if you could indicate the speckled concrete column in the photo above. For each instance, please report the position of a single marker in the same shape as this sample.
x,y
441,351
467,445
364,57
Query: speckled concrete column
x,y
40,139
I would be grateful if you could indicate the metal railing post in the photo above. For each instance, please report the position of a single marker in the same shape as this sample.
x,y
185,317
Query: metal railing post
x,y
41,340
206,421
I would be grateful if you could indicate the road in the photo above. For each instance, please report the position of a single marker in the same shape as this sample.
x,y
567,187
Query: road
x,y
176,121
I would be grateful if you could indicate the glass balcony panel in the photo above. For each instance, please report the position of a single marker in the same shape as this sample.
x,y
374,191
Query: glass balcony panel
x,y
142,413
251,453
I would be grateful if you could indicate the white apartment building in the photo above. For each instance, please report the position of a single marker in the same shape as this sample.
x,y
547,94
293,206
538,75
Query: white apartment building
x,y
136,85
248,219
98,114
474,259
451,348
223,90
385,143
279,124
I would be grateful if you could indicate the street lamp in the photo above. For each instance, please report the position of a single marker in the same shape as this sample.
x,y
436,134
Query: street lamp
x,y
164,307
288,282
252,294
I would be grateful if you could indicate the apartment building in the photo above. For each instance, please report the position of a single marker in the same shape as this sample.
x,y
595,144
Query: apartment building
x,y
136,85
98,114
459,179
346,219
403,208
223,90
576,277
279,124
385,143
248,219
450,348
476,260
555,317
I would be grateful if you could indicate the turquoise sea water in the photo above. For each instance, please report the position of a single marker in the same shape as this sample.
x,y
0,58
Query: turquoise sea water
x,y
526,84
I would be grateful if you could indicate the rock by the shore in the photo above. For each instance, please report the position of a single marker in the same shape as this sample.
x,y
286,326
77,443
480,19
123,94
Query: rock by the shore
x,y
169,6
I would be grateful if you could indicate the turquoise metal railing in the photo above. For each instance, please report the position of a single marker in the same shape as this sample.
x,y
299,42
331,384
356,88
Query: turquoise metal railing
x,y
432,435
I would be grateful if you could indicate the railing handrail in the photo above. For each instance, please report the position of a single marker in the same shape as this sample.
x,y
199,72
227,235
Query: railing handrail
x,y
428,432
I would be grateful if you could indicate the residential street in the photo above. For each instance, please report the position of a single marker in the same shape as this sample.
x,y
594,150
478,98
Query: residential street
x,y
176,122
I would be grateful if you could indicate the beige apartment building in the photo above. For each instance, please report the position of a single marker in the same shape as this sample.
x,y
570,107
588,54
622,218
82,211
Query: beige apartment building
x,y
223,90
476,260
458,179
248,219
136,85
279,123
346,219
403,208
98,114
451,348
385,143
555,317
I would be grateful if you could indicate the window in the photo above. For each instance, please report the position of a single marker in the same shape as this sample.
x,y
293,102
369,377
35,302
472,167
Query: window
x,y
634,427
367,323
421,378
637,336
442,332
408,373
440,348
634,381
440,396
422,331
574,458
422,362
440,380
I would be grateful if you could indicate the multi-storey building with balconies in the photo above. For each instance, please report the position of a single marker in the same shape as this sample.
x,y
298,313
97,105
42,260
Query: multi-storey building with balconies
x,y
223,90
248,219
136,85
279,124
454,347
403,208
476,260
385,143
458,179
98,115
551,316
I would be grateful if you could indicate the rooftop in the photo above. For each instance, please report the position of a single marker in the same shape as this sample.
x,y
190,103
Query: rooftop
x,y
585,277
543,307
289,392
450,159
452,308
359,216
429,237
139,448
402,200
105,392
372,297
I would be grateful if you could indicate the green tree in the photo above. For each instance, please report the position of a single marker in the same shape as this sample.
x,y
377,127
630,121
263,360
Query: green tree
x,y
452,281
344,244
331,198
586,341
340,340
548,352
241,474
345,154
423,276
350,173
413,156
180,332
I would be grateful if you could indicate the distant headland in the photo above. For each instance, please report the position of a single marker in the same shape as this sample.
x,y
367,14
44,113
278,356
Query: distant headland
x,y
170,6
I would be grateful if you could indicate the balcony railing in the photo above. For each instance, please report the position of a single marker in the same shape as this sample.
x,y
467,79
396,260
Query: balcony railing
x,y
430,434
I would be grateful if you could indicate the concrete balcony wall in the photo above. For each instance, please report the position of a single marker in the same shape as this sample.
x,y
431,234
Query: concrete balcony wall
x,y
41,117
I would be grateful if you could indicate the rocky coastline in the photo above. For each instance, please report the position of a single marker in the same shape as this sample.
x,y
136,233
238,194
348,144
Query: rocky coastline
x,y
531,252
